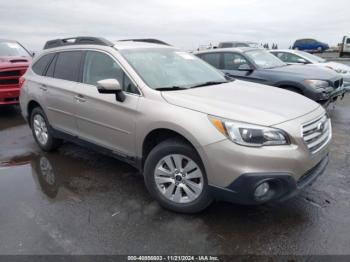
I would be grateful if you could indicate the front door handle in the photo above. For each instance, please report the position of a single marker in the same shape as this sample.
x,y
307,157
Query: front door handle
x,y
43,87
80,98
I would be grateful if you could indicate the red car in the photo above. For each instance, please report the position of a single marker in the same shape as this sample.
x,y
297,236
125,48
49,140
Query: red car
x,y
14,61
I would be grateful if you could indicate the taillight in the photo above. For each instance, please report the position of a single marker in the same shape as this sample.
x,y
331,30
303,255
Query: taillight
x,y
21,81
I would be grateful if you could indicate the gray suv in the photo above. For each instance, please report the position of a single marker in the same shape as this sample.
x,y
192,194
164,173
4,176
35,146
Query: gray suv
x,y
195,136
257,65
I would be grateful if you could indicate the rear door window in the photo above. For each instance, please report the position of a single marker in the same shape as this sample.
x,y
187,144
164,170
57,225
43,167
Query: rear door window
x,y
213,59
40,66
67,65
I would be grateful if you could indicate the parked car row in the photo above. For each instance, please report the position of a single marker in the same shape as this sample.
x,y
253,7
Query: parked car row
x,y
15,60
196,134
258,65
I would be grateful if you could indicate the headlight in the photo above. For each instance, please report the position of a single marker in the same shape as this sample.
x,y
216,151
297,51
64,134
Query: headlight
x,y
248,134
317,84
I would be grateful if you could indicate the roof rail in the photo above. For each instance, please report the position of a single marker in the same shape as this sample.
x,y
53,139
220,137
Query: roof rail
x,y
146,40
80,40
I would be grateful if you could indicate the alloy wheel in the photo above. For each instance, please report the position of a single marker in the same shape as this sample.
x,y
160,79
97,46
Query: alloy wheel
x,y
179,178
40,129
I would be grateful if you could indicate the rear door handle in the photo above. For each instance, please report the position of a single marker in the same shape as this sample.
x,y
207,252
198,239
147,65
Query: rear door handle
x,y
80,98
43,87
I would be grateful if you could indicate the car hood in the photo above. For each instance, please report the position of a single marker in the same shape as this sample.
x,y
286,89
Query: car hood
x,y
243,101
308,72
12,61
336,66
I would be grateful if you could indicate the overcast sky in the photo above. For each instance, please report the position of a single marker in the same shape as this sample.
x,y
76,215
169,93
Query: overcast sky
x,y
183,23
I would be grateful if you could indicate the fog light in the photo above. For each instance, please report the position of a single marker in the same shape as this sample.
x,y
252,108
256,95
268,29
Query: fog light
x,y
261,190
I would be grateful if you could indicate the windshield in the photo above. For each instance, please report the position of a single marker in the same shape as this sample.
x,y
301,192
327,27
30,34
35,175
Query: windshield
x,y
165,68
12,49
264,59
312,58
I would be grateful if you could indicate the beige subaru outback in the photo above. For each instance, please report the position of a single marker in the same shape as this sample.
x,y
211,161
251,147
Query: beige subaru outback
x,y
194,135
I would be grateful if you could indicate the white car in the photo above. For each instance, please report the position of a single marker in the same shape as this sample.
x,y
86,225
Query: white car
x,y
299,57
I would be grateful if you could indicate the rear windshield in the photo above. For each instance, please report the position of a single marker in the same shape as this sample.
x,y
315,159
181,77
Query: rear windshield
x,y
12,49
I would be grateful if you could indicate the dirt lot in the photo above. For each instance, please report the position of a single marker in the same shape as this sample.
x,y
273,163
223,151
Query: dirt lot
x,y
92,204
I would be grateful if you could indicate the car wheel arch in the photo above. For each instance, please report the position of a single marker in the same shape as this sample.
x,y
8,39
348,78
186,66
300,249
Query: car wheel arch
x,y
30,107
292,88
158,135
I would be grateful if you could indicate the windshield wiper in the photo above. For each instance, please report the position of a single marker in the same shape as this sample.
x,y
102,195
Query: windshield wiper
x,y
171,88
209,83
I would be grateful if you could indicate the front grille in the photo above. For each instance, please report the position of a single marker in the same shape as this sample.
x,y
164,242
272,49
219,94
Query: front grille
x,y
11,77
10,73
9,81
338,83
317,133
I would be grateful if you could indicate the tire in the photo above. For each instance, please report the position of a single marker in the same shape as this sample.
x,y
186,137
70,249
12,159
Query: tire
x,y
319,49
175,194
42,132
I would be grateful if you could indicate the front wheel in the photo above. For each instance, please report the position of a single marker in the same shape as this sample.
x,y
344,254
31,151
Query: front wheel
x,y
175,177
42,132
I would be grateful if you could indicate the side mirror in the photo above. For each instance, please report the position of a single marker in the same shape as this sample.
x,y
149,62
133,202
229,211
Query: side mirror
x,y
302,61
32,53
111,86
245,67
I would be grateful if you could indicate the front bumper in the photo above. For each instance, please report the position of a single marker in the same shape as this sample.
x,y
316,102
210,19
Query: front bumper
x,y
339,92
347,84
9,96
282,186
226,162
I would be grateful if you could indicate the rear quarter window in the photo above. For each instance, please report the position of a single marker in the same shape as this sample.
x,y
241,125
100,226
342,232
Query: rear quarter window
x,y
39,67
213,59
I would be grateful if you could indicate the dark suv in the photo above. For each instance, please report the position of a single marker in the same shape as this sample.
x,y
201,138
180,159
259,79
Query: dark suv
x,y
257,65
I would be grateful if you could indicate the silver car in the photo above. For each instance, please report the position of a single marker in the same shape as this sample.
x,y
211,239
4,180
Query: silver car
x,y
194,135
300,57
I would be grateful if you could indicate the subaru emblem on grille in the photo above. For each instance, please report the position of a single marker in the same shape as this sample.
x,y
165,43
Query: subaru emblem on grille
x,y
320,127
